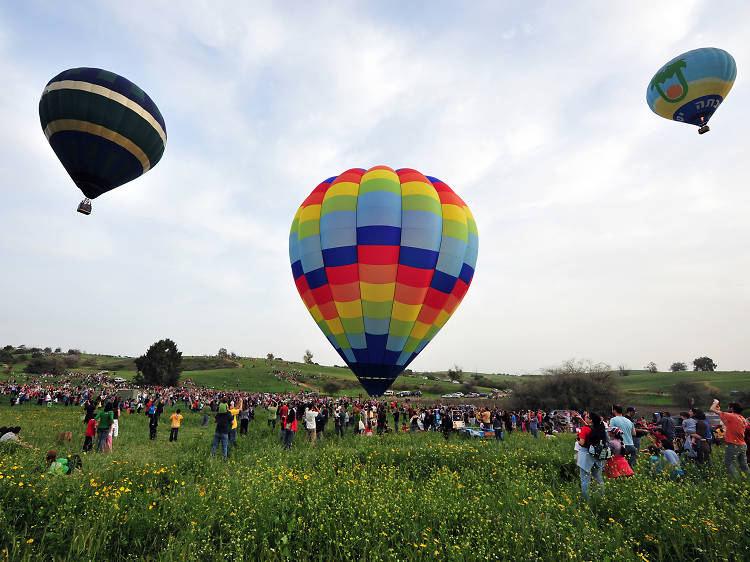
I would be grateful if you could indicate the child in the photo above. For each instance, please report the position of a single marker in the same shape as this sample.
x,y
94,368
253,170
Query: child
x,y
55,465
88,442
617,465
176,419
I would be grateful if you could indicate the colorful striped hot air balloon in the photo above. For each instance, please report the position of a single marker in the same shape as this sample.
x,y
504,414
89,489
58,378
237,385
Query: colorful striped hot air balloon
x,y
381,259
690,87
104,129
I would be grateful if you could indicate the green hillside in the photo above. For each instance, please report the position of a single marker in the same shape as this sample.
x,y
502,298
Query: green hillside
x,y
641,389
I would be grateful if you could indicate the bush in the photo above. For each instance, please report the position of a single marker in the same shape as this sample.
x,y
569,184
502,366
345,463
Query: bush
x,y
42,365
574,385
687,394
71,361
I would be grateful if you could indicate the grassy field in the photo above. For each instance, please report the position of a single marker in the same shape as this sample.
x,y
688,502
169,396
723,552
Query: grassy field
x,y
394,497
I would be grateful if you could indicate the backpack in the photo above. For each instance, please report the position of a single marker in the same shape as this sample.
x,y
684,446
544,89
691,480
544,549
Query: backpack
x,y
600,451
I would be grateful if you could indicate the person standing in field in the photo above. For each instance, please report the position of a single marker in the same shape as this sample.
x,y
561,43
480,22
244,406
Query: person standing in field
x,y
497,425
223,420
153,421
338,421
628,432
734,437
116,405
176,419
104,422
310,414
282,412
234,411
272,409
290,427
593,436
88,441
244,418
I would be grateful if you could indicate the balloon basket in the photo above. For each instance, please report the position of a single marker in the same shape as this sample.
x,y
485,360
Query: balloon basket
x,y
703,129
84,207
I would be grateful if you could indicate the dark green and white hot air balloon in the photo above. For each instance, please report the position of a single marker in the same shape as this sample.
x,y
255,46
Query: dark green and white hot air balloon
x,y
105,130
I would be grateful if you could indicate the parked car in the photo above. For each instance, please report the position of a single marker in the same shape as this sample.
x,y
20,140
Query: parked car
x,y
388,393
119,380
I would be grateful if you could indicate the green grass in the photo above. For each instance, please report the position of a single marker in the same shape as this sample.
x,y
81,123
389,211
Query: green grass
x,y
653,388
394,497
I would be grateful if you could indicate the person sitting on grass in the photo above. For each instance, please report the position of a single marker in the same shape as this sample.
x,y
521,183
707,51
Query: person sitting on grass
x,y
55,465
12,436
665,462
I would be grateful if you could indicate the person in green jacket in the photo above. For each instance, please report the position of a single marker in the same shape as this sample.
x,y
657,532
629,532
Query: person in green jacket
x,y
104,420
272,409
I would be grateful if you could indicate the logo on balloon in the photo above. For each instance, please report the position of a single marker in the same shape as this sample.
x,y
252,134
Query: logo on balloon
x,y
675,92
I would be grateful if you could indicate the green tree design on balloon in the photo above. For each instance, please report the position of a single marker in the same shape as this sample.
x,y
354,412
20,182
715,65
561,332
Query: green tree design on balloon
x,y
676,92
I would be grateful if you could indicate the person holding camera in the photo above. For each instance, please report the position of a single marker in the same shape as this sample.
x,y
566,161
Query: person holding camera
x,y
734,437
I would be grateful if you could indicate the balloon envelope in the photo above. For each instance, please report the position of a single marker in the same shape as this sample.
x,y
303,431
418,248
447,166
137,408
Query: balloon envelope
x,y
690,87
104,129
381,259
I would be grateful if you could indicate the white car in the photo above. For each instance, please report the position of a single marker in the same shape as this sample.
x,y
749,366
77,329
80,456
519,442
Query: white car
x,y
120,379
388,393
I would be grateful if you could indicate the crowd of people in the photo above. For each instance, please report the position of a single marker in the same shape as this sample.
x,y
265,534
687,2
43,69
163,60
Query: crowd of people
x,y
605,445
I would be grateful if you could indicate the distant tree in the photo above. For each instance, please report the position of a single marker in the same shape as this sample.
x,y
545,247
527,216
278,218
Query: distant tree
x,y
456,373
222,354
36,354
623,370
652,368
678,366
7,356
161,365
269,356
704,364
47,350
9,348
233,356
58,350
307,357
74,352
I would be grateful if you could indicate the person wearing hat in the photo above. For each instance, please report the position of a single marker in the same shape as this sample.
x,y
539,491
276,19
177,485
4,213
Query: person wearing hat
x,y
223,421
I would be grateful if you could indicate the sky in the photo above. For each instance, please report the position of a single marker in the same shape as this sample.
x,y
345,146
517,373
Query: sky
x,y
606,233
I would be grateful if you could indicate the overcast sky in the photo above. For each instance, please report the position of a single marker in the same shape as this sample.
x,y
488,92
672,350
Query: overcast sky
x,y
605,232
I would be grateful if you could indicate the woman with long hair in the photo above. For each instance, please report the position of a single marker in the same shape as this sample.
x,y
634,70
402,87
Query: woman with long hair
x,y
592,437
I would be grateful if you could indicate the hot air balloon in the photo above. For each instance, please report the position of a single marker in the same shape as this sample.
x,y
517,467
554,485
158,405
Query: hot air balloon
x,y
381,259
104,129
690,87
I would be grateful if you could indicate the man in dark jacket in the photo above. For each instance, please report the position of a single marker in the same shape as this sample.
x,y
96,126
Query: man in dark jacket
x,y
223,421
